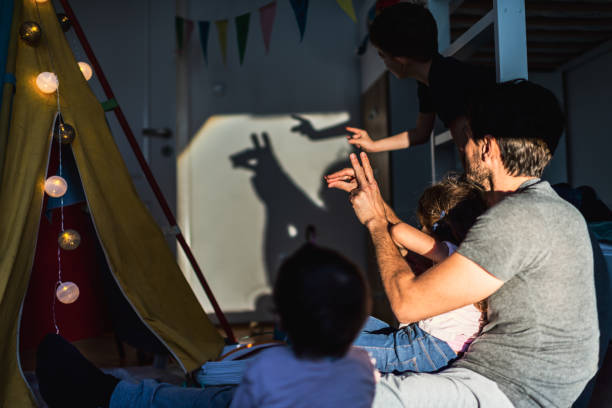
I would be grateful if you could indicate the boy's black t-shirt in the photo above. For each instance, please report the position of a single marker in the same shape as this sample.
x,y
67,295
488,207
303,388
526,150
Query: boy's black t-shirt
x,y
451,84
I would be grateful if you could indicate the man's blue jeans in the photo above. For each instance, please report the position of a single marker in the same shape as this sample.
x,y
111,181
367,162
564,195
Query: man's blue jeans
x,y
406,349
151,394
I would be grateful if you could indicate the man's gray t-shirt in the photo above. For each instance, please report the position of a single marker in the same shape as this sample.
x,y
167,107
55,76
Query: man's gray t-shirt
x,y
541,341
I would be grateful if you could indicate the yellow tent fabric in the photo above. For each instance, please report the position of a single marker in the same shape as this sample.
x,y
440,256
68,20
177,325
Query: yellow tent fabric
x,y
135,247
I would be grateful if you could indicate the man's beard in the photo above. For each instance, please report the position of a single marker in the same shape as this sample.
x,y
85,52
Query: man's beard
x,y
476,171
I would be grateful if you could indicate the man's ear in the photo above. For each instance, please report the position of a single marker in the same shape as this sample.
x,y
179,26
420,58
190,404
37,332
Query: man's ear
x,y
490,149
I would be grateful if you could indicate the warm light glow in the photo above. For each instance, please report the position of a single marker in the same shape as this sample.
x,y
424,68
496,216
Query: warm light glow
x,y
41,1
67,292
65,133
86,70
56,186
47,82
69,239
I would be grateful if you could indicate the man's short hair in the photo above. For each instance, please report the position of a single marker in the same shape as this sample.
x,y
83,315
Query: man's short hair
x,y
405,30
526,121
322,300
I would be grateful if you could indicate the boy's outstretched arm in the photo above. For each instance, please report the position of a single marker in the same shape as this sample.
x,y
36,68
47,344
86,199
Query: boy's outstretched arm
x,y
419,135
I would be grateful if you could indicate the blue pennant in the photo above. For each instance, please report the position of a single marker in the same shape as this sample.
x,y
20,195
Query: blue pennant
x,y
300,8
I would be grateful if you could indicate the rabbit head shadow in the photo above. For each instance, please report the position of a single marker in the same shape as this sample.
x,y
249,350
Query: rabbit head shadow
x,y
291,215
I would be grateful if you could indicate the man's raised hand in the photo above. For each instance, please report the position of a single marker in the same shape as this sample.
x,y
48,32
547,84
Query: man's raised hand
x,y
342,180
366,198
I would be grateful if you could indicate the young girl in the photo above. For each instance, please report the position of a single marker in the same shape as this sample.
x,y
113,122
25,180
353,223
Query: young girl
x,y
446,212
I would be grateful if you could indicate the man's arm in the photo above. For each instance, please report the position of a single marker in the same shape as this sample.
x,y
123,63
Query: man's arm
x,y
454,283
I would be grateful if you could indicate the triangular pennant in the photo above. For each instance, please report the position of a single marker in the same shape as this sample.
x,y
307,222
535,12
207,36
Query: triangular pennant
x,y
179,24
204,27
300,8
242,33
347,6
222,32
266,18
188,31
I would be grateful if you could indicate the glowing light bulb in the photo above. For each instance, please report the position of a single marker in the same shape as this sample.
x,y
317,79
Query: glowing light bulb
x,y
86,70
56,186
30,32
69,239
47,82
41,1
65,133
67,292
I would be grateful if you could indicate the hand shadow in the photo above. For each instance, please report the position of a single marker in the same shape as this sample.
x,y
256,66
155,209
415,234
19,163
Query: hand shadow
x,y
306,128
292,217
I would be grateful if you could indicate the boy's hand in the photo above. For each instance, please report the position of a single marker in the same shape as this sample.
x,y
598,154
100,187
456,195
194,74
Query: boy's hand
x,y
366,198
361,139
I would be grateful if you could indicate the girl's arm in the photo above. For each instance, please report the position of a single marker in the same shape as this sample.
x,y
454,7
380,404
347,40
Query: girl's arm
x,y
419,242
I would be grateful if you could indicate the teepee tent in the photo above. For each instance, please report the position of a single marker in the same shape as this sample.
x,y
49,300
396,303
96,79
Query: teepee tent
x,y
135,249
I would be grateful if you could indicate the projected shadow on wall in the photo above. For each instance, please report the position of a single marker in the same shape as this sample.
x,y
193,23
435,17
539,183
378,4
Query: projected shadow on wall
x,y
291,213
306,128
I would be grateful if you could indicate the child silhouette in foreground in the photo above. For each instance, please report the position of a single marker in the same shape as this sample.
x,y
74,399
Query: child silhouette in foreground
x,y
446,211
322,300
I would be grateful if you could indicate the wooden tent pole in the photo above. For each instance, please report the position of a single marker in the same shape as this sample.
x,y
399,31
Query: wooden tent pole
x,y
146,169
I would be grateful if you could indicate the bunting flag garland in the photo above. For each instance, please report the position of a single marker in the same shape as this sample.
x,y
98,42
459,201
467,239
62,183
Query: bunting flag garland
x,y
179,24
300,8
347,6
242,33
222,32
266,19
204,27
267,15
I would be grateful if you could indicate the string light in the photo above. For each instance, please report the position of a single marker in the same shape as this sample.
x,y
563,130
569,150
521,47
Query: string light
x,y
67,292
64,21
65,133
86,70
69,239
30,32
56,186
47,82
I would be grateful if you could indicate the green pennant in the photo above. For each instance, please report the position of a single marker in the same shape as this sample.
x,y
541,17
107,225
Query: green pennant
x,y
179,24
242,33
222,32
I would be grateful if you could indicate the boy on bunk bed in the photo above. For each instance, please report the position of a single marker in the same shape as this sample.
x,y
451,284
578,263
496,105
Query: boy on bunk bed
x,y
406,38
322,301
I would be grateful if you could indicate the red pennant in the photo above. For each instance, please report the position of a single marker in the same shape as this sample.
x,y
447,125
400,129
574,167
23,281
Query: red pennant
x,y
266,18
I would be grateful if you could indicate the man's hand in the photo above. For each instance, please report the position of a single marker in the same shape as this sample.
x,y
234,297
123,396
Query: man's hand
x,y
361,139
342,180
366,199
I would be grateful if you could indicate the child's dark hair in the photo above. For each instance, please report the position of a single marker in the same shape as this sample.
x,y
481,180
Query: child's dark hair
x,y
449,208
322,300
406,30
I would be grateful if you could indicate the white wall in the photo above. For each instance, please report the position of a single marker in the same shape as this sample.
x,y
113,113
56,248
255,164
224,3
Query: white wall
x,y
589,97
244,206
134,43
